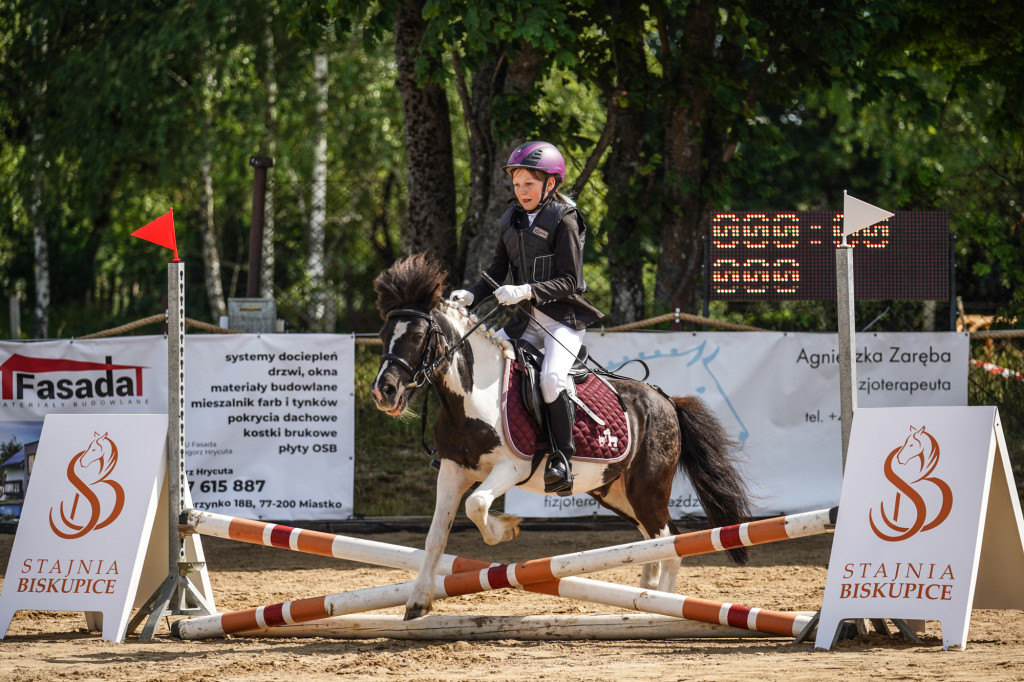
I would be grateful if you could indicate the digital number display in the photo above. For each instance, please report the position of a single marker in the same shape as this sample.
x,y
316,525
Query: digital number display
x,y
785,256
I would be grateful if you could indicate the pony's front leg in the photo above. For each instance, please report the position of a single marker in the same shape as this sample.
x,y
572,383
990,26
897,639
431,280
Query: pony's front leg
x,y
452,483
495,529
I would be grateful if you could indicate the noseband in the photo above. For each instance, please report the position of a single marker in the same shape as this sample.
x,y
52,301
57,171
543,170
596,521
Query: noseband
x,y
419,375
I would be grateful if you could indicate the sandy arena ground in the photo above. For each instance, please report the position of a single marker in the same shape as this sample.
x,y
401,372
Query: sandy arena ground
x,y
785,576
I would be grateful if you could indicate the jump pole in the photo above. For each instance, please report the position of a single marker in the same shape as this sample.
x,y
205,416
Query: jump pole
x,y
587,561
595,591
604,627
553,576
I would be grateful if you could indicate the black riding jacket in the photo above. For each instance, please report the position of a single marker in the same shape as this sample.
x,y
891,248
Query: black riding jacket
x,y
547,255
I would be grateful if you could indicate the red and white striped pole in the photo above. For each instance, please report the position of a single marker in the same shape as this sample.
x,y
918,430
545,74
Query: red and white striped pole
x,y
319,543
596,591
586,561
552,576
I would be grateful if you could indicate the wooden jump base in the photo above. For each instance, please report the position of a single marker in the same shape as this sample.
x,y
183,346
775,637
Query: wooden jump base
x,y
552,575
538,628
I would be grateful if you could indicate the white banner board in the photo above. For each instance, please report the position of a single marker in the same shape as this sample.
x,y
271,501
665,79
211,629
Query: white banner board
x,y
88,515
778,396
929,522
269,419
269,425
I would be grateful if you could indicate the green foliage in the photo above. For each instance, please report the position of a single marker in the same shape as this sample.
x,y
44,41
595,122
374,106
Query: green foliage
x,y
394,475
1006,393
108,109
9,449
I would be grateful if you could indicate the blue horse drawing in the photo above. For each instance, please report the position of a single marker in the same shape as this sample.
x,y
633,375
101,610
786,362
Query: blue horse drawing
x,y
693,356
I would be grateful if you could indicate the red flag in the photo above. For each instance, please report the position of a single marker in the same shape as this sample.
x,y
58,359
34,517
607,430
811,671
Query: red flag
x,y
160,231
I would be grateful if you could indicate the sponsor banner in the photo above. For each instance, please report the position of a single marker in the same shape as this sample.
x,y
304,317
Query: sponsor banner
x,y
268,418
88,515
269,426
113,376
778,396
929,522
92,376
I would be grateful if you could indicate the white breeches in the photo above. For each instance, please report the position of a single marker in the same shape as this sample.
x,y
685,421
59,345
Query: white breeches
x,y
559,352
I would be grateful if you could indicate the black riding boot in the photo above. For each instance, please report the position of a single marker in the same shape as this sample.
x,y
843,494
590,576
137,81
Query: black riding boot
x,y
558,472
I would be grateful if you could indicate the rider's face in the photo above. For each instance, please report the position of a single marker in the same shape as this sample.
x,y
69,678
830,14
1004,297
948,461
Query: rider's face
x,y
529,189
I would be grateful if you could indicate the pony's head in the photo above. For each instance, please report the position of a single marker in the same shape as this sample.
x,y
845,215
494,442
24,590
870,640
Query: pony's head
x,y
407,294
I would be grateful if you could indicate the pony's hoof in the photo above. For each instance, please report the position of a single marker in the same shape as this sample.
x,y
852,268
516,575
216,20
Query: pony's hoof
x,y
414,612
511,524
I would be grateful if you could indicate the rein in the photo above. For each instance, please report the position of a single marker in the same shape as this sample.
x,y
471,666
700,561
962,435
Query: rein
x,y
520,308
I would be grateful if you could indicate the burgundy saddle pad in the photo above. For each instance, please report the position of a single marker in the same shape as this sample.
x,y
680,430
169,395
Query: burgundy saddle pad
x,y
594,442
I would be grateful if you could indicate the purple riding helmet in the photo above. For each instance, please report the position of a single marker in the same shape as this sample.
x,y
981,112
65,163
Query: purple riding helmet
x,y
542,156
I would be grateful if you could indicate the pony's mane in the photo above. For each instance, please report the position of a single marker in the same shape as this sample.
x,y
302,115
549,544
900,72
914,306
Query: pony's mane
x,y
417,281
413,281
487,332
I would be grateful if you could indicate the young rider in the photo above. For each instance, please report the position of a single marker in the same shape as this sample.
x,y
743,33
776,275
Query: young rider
x,y
541,245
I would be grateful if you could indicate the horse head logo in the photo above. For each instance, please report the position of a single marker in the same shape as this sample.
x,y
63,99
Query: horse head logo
x,y
910,469
98,500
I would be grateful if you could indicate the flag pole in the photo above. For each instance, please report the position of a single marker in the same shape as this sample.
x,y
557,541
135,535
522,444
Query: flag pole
x,y
847,342
857,215
176,594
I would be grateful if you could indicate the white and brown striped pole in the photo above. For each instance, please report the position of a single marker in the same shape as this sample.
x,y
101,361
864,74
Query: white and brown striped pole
x,y
552,576
319,543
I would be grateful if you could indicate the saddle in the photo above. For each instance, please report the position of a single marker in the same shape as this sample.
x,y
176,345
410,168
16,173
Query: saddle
x,y
601,430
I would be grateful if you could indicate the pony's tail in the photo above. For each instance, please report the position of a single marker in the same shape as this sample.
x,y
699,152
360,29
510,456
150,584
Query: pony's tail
x,y
707,459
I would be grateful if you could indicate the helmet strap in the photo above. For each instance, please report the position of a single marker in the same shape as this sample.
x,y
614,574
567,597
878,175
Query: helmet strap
x,y
548,196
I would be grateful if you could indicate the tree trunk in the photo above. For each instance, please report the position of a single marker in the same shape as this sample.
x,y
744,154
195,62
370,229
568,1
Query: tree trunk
x,y
211,249
627,217
428,145
270,149
319,312
476,110
679,262
515,81
41,266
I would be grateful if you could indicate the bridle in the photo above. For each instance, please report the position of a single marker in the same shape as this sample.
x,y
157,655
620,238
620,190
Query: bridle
x,y
428,364
418,375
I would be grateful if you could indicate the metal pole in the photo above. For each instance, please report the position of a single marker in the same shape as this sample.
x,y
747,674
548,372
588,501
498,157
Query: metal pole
x,y
171,598
706,266
260,165
952,282
14,303
175,410
847,343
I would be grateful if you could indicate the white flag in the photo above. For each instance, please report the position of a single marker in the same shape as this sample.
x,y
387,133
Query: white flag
x,y
859,214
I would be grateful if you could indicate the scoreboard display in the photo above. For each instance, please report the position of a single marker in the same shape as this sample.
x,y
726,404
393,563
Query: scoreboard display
x,y
785,256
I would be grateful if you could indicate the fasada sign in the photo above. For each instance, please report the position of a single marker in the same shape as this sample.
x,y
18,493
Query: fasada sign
x,y
929,523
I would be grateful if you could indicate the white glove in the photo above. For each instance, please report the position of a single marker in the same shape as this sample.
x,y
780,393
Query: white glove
x,y
510,294
461,298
